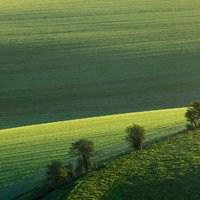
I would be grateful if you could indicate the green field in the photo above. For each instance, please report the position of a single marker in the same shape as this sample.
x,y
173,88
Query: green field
x,y
27,150
66,59
165,171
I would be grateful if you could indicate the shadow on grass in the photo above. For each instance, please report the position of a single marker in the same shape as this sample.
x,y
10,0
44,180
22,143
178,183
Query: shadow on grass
x,y
154,187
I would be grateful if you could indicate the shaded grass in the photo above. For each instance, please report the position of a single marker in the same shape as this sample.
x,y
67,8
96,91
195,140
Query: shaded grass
x,y
58,194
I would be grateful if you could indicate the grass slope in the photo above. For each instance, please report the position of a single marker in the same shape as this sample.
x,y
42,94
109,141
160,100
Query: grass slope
x,y
165,171
67,59
28,149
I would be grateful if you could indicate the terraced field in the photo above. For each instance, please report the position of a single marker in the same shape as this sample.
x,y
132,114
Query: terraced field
x,y
67,59
165,171
29,149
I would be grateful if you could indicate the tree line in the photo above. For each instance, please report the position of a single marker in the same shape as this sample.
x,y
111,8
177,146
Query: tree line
x,y
59,174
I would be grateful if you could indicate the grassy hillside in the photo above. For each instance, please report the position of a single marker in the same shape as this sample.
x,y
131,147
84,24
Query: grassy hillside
x,y
165,171
27,150
67,59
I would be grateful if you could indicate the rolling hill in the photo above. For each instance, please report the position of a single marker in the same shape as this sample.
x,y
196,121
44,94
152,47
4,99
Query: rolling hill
x,y
70,69
67,59
26,151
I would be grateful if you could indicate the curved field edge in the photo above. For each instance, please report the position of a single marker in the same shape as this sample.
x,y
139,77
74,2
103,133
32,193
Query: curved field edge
x,y
169,170
26,150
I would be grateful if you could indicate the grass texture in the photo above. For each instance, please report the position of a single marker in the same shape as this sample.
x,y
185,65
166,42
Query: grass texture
x,y
67,59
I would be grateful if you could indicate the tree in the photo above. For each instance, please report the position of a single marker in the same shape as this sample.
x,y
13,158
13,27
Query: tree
x,y
56,173
70,172
193,116
84,149
135,136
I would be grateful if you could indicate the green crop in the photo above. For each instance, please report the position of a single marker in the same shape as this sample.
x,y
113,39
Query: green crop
x,y
26,150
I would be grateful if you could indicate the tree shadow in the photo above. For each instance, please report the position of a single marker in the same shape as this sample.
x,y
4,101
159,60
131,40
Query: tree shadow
x,y
153,187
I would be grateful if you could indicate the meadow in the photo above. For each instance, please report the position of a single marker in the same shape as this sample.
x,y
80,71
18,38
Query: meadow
x,y
67,59
169,170
26,151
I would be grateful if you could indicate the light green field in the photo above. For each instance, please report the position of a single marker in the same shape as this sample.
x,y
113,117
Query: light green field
x,y
67,59
28,149
169,170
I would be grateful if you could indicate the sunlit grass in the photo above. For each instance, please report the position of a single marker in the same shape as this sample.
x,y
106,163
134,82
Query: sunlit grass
x,y
28,149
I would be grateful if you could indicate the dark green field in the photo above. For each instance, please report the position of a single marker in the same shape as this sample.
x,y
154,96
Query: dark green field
x,y
67,59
